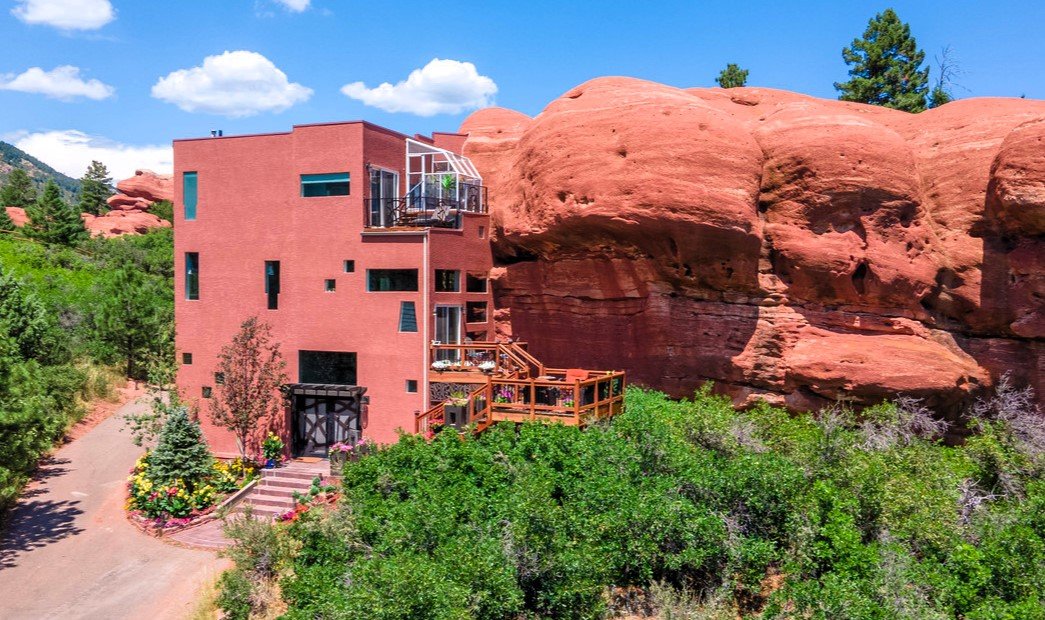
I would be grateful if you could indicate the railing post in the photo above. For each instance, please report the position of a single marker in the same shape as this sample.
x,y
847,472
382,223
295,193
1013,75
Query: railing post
x,y
577,402
533,401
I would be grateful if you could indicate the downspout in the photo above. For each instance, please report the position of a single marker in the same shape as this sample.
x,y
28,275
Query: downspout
x,y
426,391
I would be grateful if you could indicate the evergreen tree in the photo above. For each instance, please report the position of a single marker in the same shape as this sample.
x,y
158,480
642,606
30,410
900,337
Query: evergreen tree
x,y
95,187
52,220
131,318
6,223
885,66
732,76
181,452
18,191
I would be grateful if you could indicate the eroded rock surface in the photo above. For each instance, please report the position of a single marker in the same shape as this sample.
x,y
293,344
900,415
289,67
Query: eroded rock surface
x,y
789,248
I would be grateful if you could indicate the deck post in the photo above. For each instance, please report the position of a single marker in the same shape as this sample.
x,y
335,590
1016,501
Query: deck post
x,y
533,400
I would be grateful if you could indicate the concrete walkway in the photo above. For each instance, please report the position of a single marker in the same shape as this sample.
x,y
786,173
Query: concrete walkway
x,y
68,551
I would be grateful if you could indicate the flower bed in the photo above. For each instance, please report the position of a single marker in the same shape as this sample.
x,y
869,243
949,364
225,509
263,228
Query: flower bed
x,y
169,506
319,496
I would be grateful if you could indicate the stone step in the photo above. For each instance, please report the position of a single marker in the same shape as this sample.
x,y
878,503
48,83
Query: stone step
x,y
283,483
272,491
284,474
274,502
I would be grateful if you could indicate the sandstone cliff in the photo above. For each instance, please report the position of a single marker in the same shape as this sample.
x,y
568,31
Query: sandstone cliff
x,y
790,248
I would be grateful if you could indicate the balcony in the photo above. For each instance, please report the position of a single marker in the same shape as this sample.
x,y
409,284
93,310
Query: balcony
x,y
431,210
515,387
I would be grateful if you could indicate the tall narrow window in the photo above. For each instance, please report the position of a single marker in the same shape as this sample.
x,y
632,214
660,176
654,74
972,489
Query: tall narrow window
x,y
407,317
272,283
447,280
192,275
331,184
190,194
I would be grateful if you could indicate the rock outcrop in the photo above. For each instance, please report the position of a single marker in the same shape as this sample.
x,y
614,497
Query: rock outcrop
x,y
129,208
789,248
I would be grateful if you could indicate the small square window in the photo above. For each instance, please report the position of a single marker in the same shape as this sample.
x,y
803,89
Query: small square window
x,y
475,283
330,286
207,390
219,378
447,280
350,266
411,386
186,358
476,311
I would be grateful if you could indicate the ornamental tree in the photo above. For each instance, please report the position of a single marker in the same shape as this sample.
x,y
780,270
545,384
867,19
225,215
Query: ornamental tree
x,y
253,368
885,66
732,76
181,451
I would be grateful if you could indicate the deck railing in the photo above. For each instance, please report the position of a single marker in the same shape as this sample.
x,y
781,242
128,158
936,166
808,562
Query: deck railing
x,y
558,395
485,358
420,210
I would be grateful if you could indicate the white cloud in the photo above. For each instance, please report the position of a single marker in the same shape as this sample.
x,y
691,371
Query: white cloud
x,y
235,84
295,5
66,14
70,151
440,87
62,83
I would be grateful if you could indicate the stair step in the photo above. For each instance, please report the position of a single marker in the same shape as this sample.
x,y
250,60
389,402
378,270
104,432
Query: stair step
x,y
284,483
274,502
276,491
288,474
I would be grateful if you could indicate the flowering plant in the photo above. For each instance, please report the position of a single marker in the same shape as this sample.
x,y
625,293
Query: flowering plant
x,y
487,366
504,394
174,502
272,448
345,448
441,364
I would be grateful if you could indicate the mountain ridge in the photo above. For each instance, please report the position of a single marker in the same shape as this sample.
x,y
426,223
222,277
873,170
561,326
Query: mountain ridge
x,y
12,157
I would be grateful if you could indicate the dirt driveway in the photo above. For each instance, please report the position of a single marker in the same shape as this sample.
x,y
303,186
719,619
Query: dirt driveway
x,y
68,552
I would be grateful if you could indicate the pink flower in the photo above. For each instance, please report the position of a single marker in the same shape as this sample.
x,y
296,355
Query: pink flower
x,y
172,491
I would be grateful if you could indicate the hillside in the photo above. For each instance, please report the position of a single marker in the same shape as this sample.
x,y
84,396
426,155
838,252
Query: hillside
x,y
12,157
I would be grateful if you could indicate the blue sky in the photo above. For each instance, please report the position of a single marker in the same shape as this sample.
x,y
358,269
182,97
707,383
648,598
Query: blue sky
x,y
136,77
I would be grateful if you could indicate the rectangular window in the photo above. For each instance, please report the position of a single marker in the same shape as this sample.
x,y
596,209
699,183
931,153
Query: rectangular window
x,y
447,280
207,391
407,317
350,266
331,184
379,280
272,283
476,311
186,358
475,283
219,378
332,367
411,386
192,276
190,194
330,285
482,232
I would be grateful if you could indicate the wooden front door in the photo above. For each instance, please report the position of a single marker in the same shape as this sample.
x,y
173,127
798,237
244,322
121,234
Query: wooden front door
x,y
321,421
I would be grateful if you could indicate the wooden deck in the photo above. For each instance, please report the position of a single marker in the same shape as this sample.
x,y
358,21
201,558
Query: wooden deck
x,y
510,385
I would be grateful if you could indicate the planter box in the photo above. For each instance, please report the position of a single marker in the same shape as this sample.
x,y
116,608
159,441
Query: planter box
x,y
337,462
456,415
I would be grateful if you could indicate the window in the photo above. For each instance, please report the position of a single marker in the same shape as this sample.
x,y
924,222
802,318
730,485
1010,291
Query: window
x,y
475,283
331,184
482,232
186,358
330,285
272,283
207,391
192,276
219,378
350,266
411,386
189,194
476,311
332,367
447,280
407,317
391,280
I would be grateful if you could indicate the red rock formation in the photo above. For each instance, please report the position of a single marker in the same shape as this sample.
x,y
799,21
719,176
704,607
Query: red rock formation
x,y
786,247
17,215
129,208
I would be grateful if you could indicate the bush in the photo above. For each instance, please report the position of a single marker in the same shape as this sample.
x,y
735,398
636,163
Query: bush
x,y
181,452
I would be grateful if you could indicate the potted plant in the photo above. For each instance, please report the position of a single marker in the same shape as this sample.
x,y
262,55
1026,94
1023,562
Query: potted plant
x,y
440,365
341,452
487,366
456,408
272,450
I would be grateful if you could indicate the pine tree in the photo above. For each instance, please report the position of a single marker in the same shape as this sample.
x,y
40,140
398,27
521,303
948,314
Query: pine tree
x,y
181,452
52,220
885,66
95,188
130,318
18,191
732,76
6,223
